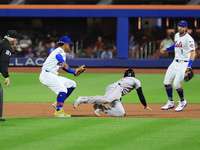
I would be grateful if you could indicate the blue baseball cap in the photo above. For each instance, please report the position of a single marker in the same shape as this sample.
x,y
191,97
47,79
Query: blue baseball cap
x,y
183,23
65,39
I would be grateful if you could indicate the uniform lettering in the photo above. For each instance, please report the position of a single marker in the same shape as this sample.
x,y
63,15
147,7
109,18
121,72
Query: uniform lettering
x,y
29,62
178,44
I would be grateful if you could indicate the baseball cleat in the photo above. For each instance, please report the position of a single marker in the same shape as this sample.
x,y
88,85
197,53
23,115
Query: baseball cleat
x,y
169,105
181,105
77,102
54,105
61,113
97,109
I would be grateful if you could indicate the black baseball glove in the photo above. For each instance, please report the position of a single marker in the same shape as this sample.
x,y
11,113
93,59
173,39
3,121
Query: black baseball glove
x,y
189,74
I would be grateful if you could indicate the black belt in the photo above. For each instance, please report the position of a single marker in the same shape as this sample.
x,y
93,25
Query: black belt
x,y
181,60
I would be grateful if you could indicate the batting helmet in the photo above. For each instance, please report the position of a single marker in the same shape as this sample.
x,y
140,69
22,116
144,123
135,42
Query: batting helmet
x,y
129,73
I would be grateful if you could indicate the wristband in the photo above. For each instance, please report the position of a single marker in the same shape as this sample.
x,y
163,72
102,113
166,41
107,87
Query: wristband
x,y
190,63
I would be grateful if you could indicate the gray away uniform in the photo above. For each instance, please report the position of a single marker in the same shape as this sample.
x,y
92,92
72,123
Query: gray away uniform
x,y
114,93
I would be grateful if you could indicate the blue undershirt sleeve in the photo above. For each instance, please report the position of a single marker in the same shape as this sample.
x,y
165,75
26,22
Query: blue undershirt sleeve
x,y
59,58
69,70
170,48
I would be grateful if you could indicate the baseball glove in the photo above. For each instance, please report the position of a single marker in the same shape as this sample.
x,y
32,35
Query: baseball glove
x,y
79,70
188,74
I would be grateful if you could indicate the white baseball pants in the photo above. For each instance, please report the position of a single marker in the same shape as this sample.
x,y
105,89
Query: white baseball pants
x,y
56,83
176,72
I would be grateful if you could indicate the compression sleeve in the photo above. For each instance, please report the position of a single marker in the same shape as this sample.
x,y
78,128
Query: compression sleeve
x,y
59,58
170,48
69,70
141,96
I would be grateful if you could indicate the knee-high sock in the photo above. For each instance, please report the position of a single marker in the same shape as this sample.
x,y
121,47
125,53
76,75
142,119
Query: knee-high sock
x,y
169,91
69,92
60,100
180,93
1,100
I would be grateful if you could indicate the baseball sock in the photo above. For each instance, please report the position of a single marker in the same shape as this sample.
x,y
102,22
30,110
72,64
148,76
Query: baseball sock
x,y
60,100
69,91
169,90
180,93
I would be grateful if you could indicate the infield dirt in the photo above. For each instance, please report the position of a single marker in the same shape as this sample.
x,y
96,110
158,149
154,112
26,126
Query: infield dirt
x,y
86,110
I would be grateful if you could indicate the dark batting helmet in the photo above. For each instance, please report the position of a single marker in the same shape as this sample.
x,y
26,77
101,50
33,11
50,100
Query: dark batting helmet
x,y
129,73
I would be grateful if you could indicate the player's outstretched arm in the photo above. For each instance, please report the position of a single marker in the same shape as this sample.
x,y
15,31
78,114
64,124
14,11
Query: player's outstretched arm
x,y
142,99
163,51
167,49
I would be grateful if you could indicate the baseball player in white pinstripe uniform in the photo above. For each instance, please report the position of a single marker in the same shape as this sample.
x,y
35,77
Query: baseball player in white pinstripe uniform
x,y
184,56
61,86
113,96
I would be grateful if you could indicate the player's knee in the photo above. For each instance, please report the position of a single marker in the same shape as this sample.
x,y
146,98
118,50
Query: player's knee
x,y
121,114
177,86
73,84
166,82
62,91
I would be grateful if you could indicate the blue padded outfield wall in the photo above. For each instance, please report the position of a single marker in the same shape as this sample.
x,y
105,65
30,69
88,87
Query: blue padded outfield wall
x,y
121,12
89,62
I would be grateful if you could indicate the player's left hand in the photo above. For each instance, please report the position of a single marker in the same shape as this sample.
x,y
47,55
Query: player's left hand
x,y
7,82
79,70
146,107
189,74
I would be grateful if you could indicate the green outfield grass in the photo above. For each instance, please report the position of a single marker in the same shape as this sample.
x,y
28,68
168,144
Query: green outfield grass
x,y
82,133
99,133
26,87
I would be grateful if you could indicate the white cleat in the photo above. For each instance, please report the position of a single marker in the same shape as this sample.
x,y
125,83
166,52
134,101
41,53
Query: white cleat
x,y
181,105
77,102
96,112
54,105
169,105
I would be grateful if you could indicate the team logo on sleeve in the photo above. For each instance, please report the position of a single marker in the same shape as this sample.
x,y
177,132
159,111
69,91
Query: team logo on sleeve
x,y
192,45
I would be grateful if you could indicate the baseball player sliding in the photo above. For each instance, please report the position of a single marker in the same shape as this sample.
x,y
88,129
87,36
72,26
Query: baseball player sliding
x,y
113,96
62,86
184,56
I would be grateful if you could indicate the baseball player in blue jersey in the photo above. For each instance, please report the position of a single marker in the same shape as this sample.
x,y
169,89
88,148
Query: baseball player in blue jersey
x,y
61,86
184,49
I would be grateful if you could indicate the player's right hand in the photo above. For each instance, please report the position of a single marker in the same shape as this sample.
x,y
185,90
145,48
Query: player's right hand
x,y
65,65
